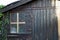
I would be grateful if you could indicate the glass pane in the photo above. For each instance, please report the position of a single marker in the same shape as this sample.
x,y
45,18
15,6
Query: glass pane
x,y
13,17
21,17
24,28
13,28
25,16
21,28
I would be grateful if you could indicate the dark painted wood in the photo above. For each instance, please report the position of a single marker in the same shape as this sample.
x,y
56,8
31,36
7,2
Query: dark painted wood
x,y
42,16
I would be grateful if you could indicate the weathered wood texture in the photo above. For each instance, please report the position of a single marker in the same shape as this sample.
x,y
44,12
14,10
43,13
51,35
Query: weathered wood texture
x,y
44,22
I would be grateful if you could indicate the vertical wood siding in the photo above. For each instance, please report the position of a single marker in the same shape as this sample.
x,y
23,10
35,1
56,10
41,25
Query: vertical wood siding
x,y
44,25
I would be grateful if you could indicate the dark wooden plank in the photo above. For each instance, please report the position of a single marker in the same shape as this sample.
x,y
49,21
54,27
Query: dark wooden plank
x,y
35,26
55,25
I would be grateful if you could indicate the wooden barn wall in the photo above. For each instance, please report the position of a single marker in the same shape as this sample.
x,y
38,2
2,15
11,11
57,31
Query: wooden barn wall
x,y
44,17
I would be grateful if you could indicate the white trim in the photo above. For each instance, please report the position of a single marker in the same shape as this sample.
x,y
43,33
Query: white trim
x,y
13,22
17,22
22,22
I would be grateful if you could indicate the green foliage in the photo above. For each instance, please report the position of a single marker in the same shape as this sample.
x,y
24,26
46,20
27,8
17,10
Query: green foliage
x,y
4,30
3,23
1,15
1,6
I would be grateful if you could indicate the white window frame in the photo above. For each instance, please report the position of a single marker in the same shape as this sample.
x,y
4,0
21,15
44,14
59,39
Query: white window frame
x,y
17,22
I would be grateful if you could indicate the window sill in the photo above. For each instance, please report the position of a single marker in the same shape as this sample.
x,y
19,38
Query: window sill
x,y
19,33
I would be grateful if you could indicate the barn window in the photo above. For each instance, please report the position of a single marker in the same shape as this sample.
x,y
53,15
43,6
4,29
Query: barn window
x,y
16,26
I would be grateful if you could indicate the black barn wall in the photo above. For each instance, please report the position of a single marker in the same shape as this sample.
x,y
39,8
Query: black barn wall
x,y
44,25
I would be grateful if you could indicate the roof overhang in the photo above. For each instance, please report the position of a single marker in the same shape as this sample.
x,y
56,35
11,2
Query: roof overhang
x,y
14,5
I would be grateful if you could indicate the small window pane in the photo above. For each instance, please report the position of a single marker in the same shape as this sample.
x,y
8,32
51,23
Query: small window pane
x,y
21,17
21,28
24,29
13,28
25,17
13,17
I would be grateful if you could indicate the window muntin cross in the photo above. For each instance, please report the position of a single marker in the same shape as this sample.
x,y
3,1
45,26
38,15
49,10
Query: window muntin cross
x,y
15,23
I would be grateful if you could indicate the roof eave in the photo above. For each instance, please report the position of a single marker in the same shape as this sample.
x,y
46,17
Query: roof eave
x,y
7,8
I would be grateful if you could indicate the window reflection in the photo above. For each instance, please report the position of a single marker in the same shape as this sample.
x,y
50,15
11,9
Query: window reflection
x,y
13,28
